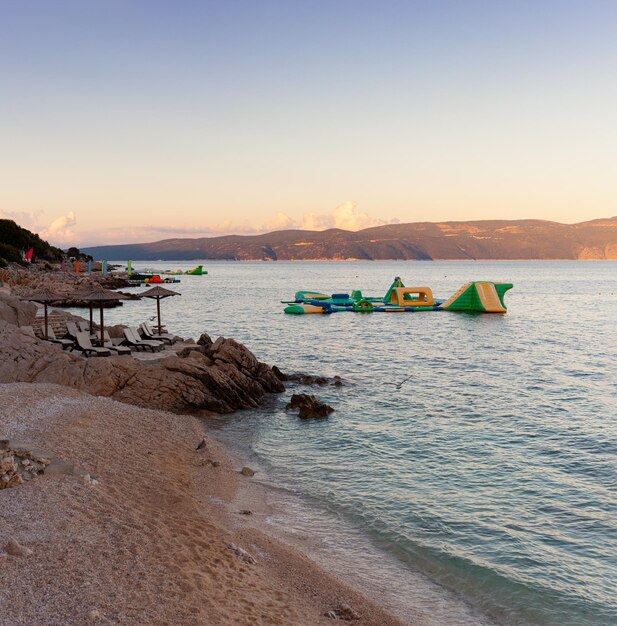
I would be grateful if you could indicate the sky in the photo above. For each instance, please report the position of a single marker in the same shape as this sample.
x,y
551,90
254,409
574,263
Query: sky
x,y
140,120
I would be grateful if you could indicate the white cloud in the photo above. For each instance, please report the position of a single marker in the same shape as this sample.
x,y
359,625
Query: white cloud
x,y
60,232
345,216
25,219
280,222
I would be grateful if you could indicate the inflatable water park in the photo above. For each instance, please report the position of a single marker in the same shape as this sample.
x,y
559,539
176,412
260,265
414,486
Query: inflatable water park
x,y
472,297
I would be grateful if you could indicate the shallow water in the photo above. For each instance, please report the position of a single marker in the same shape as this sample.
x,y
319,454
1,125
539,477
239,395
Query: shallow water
x,y
490,473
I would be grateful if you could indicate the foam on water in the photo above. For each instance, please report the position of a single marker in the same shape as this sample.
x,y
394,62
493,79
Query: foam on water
x,y
490,474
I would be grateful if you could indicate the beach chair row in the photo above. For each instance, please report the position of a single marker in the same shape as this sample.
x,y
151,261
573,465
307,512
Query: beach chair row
x,y
78,337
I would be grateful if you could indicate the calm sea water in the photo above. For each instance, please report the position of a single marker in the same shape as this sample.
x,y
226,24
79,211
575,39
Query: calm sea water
x,y
484,489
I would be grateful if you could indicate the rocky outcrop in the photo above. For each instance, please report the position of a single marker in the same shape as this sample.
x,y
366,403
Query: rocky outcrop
x,y
18,465
14,311
308,379
309,407
220,376
24,281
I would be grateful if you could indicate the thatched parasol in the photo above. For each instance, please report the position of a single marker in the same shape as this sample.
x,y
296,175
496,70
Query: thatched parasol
x,y
158,293
44,296
95,293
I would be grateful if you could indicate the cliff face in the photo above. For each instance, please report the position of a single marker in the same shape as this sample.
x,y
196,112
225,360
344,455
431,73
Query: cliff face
x,y
494,239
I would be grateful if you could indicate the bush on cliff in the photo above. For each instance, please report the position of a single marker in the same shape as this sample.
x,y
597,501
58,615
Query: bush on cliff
x,y
75,253
14,240
9,254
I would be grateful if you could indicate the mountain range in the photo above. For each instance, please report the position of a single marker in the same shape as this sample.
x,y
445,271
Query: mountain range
x,y
489,239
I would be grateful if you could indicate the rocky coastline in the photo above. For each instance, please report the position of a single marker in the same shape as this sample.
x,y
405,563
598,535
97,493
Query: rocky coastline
x,y
23,282
223,378
208,376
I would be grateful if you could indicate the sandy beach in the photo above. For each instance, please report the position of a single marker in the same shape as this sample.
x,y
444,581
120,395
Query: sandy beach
x,y
133,525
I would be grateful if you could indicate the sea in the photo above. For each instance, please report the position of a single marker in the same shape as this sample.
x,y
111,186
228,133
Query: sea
x,y
469,472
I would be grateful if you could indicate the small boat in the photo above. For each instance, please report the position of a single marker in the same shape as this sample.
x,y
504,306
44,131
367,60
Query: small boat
x,y
472,297
147,278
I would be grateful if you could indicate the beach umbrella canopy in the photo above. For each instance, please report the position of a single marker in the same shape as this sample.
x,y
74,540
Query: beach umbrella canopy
x,y
44,296
95,294
158,293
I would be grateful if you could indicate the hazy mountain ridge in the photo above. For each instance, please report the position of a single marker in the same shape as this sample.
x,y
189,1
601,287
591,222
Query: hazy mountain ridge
x,y
489,239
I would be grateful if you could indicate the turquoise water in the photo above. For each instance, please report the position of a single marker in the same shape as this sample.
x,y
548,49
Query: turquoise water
x,y
491,473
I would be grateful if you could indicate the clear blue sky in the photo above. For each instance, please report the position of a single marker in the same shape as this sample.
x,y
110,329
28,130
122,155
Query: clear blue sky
x,y
134,120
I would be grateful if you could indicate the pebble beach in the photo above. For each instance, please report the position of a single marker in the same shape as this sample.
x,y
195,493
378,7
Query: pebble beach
x,y
136,526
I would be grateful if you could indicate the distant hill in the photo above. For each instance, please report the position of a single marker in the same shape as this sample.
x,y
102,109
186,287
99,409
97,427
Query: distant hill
x,y
14,240
491,239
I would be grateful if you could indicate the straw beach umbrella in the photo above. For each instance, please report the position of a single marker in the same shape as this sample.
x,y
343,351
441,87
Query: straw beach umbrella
x,y
158,293
44,296
95,294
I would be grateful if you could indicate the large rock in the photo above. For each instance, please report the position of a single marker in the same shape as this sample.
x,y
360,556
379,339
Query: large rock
x,y
14,311
309,407
18,464
221,377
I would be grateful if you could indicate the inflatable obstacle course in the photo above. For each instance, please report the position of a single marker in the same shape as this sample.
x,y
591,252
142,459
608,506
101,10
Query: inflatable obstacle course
x,y
483,297
411,296
473,297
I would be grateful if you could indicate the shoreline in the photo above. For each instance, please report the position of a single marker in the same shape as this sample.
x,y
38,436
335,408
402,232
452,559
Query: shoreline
x,y
140,531
324,260
343,549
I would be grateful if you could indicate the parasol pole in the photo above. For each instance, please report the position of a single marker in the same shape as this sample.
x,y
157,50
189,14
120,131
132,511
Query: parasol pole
x,y
158,312
102,343
91,322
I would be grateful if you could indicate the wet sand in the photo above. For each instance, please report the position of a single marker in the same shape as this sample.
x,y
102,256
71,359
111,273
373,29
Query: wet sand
x,y
138,527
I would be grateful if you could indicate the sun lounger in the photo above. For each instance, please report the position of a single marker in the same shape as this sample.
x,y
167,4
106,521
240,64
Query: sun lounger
x,y
132,339
85,345
118,349
148,333
72,330
155,343
84,327
67,344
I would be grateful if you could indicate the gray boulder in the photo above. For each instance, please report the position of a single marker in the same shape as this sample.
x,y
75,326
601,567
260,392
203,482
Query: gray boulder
x,y
308,406
14,311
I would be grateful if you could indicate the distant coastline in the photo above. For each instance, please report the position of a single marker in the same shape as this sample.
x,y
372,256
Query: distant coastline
x,y
138,260
491,240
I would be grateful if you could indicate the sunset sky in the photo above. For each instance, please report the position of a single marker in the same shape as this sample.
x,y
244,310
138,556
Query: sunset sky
x,y
137,120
